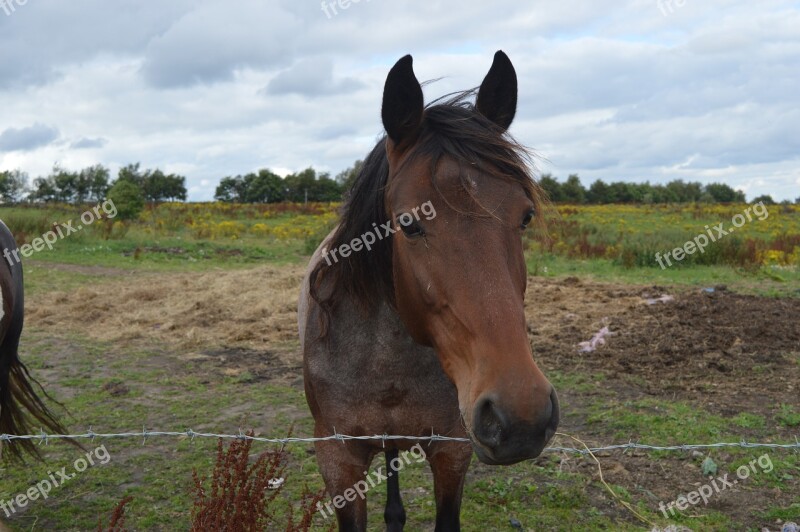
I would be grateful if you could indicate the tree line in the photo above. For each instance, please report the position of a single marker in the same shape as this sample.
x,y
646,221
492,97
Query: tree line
x,y
265,186
92,184
676,191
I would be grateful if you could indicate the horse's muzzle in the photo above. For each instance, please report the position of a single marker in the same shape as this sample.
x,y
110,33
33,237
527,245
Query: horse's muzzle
x,y
498,439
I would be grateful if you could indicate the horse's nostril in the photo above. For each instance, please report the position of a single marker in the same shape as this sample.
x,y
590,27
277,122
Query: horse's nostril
x,y
489,423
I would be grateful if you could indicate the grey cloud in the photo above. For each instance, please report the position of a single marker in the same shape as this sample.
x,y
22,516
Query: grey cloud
x,y
311,77
88,143
212,42
44,37
27,138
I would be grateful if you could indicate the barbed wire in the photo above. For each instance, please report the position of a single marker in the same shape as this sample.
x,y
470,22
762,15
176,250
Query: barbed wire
x,y
144,434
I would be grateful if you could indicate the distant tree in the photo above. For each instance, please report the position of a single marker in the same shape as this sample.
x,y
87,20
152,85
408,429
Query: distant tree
x,y
620,192
230,189
722,193
300,185
127,198
13,184
552,187
347,177
65,183
90,184
766,199
572,190
327,189
175,188
94,182
43,190
61,185
685,192
597,193
647,193
797,201
264,187
154,185
132,173
661,194
307,185
157,186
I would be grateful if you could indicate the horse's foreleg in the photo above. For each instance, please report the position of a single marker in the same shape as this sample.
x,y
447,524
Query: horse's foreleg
x,y
395,514
449,464
342,467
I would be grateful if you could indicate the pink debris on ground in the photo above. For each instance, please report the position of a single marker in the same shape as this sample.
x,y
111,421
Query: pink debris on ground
x,y
598,340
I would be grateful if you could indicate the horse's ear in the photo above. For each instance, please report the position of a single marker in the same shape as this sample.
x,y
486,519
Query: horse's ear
x,y
497,97
402,103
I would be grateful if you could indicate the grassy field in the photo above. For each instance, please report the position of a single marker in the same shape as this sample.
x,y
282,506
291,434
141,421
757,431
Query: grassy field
x,y
614,242
185,319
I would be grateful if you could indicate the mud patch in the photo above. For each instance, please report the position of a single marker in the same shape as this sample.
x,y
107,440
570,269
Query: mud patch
x,y
733,352
249,365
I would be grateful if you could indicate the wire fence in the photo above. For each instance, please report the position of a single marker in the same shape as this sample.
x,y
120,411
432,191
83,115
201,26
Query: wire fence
x,y
144,434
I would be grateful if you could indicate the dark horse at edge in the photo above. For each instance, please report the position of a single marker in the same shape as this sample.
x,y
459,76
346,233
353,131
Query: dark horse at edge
x,y
20,406
425,332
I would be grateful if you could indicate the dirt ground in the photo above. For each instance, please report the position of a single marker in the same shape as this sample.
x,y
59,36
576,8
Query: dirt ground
x,y
701,346
723,352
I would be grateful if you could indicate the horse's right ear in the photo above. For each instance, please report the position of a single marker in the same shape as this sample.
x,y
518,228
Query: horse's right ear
x,y
402,104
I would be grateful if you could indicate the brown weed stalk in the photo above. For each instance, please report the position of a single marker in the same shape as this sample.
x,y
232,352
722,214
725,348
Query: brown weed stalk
x,y
239,497
117,522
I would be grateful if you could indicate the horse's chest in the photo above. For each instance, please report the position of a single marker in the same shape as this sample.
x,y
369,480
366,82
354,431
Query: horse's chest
x,y
383,385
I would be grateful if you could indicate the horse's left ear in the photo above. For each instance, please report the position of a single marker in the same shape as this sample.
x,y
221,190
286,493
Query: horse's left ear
x,y
497,97
403,103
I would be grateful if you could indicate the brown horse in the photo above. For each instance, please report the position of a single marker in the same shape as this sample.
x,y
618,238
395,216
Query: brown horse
x,y
424,331
17,395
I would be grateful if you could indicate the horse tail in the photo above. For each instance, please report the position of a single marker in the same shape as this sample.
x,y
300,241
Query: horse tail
x,y
20,405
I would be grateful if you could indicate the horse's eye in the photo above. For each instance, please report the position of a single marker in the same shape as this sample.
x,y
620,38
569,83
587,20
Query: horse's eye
x,y
527,220
412,229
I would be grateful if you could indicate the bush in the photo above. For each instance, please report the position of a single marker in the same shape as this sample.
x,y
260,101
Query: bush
x,y
128,200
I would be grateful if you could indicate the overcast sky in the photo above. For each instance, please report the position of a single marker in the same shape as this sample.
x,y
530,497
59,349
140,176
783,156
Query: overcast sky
x,y
705,90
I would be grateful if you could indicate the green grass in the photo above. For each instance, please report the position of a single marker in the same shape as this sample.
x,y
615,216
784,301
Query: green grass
x,y
747,420
788,416
167,240
658,421
172,253
762,282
